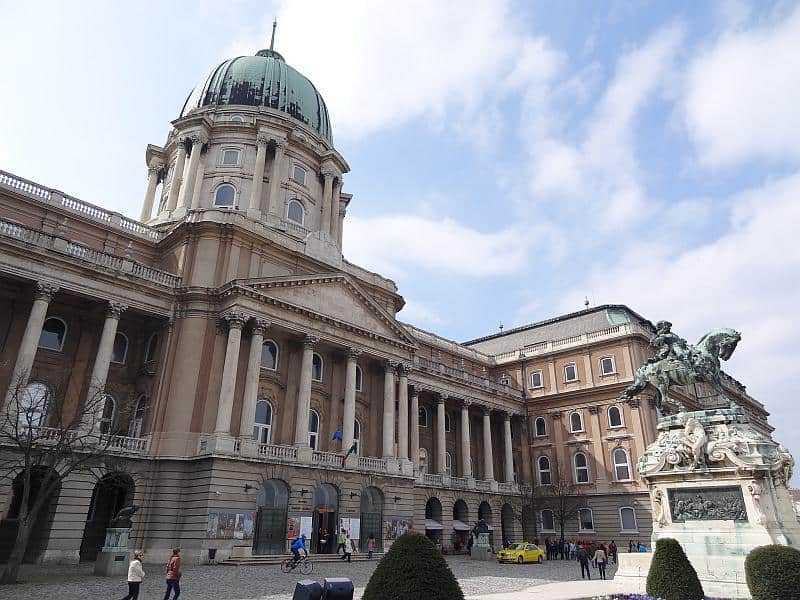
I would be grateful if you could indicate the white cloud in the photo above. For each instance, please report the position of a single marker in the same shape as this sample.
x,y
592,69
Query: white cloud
x,y
396,243
381,64
742,96
420,314
746,279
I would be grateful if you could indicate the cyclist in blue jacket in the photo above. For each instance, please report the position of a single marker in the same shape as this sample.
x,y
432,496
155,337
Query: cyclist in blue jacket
x,y
297,545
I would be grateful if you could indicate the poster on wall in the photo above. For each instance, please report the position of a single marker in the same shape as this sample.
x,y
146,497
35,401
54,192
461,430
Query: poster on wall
x,y
397,526
292,528
305,526
230,524
351,525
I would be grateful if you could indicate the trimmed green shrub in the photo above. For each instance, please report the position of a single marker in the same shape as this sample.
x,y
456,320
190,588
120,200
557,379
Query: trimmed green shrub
x,y
671,575
413,569
773,572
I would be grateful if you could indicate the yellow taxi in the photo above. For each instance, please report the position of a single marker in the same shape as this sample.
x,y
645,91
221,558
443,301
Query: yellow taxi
x,y
523,552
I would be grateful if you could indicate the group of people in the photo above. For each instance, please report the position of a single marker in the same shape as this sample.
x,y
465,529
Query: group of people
x,y
343,542
597,554
136,575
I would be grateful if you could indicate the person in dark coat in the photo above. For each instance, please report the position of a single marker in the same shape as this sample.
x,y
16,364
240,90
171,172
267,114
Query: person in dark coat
x,y
583,558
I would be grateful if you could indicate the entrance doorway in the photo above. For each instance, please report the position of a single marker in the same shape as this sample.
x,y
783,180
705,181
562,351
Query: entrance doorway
x,y
507,524
371,518
272,501
433,521
113,492
461,527
325,523
485,513
40,535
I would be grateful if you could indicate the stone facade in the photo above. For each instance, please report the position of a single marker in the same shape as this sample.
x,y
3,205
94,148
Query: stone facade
x,y
244,356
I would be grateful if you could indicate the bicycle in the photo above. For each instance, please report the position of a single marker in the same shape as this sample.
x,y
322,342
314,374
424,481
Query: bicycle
x,y
289,564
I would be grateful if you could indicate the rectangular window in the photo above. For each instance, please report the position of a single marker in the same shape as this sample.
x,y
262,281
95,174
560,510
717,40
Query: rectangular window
x,y
230,158
536,379
607,365
548,523
299,174
585,520
627,518
570,372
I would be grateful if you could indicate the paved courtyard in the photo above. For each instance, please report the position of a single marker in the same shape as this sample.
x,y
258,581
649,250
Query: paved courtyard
x,y
268,583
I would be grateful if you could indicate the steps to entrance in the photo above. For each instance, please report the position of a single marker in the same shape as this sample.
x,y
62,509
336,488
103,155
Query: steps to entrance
x,y
277,559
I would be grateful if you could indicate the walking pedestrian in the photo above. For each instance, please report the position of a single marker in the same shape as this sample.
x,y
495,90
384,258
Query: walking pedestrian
x,y
349,548
600,560
372,544
340,538
631,547
613,550
174,575
135,576
583,558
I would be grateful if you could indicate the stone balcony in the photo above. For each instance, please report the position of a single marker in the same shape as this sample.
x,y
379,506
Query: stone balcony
x,y
100,443
442,480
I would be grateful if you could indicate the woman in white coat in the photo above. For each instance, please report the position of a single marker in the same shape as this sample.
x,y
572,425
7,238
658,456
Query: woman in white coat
x,y
135,576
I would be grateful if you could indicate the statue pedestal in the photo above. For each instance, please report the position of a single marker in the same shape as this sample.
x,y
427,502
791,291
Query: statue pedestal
x,y
114,556
717,484
481,550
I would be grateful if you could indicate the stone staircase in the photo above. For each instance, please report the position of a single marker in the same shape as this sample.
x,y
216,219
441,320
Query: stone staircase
x,y
276,559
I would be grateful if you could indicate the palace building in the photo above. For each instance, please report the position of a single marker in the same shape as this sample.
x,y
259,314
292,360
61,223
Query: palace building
x,y
241,356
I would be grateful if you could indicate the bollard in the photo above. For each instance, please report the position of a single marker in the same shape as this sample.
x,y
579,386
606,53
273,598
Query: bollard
x,y
307,589
337,588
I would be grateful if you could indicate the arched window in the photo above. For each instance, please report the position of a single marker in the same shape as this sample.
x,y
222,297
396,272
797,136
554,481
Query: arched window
x,y
622,467
262,424
316,367
120,351
299,174
295,212
545,477
541,427
576,422
581,465
230,157
585,519
570,372
607,366
359,379
423,416
548,522
614,416
357,436
109,413
447,422
237,119
269,355
137,421
627,520
313,429
54,332
33,405
150,348
225,196
423,460
448,463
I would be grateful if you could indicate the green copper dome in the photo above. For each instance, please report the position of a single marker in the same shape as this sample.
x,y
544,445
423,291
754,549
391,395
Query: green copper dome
x,y
263,80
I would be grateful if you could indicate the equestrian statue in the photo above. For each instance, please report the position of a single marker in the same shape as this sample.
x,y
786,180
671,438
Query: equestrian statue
x,y
676,362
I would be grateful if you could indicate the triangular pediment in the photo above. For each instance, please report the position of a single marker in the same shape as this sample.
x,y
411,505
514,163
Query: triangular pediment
x,y
334,296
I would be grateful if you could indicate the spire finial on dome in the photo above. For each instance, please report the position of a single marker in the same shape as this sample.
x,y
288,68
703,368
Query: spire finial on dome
x,y
272,41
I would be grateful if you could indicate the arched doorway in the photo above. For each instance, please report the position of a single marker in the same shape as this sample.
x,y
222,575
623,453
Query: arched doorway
x,y
272,501
113,492
461,526
371,518
325,522
40,535
507,523
433,521
485,514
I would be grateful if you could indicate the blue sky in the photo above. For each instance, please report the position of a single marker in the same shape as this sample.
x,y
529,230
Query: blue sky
x,y
508,159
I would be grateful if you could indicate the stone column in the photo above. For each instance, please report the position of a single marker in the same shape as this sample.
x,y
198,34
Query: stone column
x,y
342,213
102,360
177,176
326,202
153,174
30,340
187,184
275,183
228,387
304,393
414,450
564,470
251,379
488,459
597,442
254,209
402,413
198,180
349,418
335,222
509,449
466,450
388,410
441,446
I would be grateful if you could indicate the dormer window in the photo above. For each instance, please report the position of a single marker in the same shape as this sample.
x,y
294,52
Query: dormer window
x,y
230,157
299,174
237,119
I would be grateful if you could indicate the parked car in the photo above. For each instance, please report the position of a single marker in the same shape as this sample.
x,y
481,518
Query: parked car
x,y
524,552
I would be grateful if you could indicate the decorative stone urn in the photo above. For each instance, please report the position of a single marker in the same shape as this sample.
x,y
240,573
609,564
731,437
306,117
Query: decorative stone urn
x,y
718,485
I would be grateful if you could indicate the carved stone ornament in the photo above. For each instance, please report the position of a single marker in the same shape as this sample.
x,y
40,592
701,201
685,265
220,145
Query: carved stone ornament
x,y
115,309
262,139
45,291
704,504
235,320
309,341
260,326
354,353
